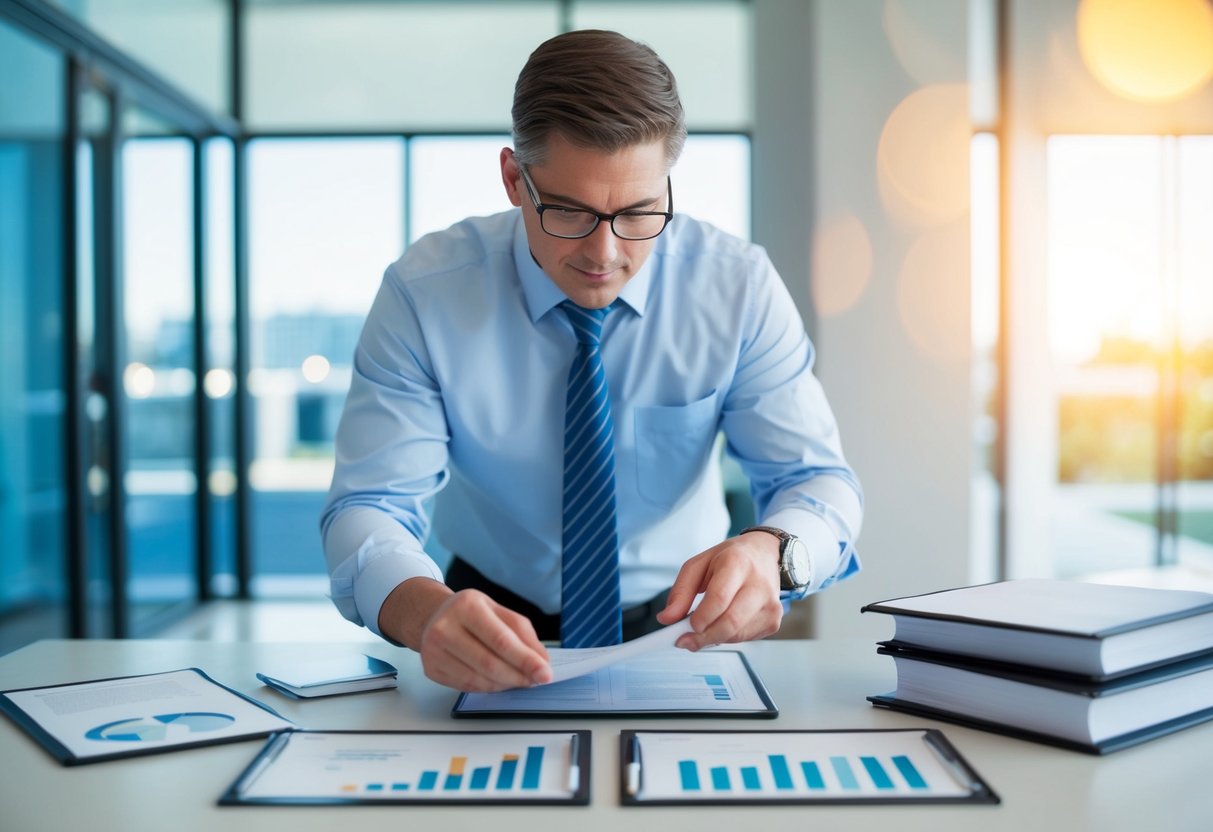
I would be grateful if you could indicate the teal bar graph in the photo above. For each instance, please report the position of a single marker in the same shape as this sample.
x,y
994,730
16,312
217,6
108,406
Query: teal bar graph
x,y
862,773
880,777
428,780
505,777
913,779
842,770
480,778
689,773
812,776
532,767
780,771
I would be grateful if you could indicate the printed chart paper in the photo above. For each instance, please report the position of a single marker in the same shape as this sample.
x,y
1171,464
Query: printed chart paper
x,y
665,681
798,766
139,714
568,663
454,767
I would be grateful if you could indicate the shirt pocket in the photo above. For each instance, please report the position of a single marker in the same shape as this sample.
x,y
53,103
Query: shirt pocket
x,y
672,446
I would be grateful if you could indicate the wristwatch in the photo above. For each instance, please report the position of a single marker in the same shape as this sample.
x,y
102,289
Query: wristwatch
x,y
793,559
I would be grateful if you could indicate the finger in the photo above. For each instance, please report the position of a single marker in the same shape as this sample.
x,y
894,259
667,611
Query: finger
x,y
722,587
538,665
513,648
682,594
753,614
467,640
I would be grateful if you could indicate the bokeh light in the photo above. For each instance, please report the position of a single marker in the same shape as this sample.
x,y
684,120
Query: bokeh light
x,y
842,264
1147,50
923,156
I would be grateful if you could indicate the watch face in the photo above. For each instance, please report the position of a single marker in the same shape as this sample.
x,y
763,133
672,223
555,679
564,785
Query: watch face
x,y
797,561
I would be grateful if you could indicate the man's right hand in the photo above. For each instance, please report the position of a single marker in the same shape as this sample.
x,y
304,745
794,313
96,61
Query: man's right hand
x,y
466,640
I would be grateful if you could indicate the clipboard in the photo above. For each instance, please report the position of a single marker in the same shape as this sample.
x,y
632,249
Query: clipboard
x,y
451,768
709,683
838,767
97,720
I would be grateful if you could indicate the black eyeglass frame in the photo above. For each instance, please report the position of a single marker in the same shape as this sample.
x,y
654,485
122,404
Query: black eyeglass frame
x,y
599,218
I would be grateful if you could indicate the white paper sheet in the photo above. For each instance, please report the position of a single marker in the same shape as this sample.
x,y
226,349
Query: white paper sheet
x,y
666,680
137,713
569,663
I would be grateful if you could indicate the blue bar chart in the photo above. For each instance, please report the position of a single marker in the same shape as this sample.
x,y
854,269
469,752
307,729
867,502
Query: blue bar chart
x,y
825,765
457,777
850,774
457,766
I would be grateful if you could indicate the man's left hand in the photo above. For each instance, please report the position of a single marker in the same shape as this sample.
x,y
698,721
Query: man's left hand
x,y
739,579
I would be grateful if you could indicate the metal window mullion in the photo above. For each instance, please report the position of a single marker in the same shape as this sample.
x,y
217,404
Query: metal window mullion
x,y
202,420
111,285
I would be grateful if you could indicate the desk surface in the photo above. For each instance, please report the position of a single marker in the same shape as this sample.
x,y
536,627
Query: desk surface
x,y
816,684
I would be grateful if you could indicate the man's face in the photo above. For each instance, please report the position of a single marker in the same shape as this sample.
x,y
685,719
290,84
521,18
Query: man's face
x,y
592,270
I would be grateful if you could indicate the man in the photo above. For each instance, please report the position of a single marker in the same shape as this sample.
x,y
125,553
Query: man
x,y
560,372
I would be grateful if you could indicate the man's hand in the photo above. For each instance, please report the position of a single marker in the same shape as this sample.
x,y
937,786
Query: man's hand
x,y
466,640
739,579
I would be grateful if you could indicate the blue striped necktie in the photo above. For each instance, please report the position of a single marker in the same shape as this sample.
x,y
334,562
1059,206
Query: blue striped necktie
x,y
590,610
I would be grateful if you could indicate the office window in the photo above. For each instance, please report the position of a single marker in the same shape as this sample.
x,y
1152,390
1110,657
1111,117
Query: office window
x,y
158,373
706,43
1131,335
374,66
219,383
33,591
326,218
452,177
184,41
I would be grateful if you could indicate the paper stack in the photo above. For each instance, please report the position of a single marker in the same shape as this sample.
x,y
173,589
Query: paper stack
x,y
1094,667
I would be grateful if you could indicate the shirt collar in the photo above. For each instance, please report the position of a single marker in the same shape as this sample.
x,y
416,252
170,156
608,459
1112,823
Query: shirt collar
x,y
542,294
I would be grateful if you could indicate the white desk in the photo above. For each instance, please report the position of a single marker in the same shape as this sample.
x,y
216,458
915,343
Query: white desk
x,y
1165,784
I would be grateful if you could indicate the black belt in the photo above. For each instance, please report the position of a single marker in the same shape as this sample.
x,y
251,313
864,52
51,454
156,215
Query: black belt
x,y
637,620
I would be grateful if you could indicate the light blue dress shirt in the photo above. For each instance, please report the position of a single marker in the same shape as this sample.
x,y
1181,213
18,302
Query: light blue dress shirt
x,y
459,385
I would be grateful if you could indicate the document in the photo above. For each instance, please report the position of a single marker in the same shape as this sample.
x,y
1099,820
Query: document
x,y
570,663
490,767
729,767
667,681
132,715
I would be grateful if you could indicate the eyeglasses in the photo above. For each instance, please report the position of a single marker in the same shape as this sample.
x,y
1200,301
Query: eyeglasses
x,y
575,223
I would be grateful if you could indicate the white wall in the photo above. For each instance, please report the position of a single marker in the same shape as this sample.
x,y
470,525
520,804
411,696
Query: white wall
x,y
883,261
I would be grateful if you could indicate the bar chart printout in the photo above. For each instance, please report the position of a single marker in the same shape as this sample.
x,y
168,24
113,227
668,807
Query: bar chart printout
x,y
417,767
798,765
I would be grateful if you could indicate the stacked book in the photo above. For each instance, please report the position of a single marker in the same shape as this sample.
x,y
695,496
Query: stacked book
x,y
1094,667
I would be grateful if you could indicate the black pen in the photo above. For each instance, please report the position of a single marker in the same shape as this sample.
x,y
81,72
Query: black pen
x,y
634,766
952,763
574,765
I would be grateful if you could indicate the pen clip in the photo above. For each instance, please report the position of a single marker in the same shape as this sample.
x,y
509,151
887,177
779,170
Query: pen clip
x,y
574,763
268,756
634,769
954,764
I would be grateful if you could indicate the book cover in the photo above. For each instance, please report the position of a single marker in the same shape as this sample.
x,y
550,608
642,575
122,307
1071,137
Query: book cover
x,y
1084,629
1091,715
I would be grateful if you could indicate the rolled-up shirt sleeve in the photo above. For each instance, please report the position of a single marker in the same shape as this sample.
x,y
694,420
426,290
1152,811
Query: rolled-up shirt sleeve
x,y
391,458
781,429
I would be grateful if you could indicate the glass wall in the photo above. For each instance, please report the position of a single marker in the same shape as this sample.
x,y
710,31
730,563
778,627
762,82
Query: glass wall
x,y
186,42
219,381
158,369
33,495
326,218
1131,334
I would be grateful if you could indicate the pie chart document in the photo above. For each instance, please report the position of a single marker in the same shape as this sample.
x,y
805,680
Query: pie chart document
x,y
107,718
